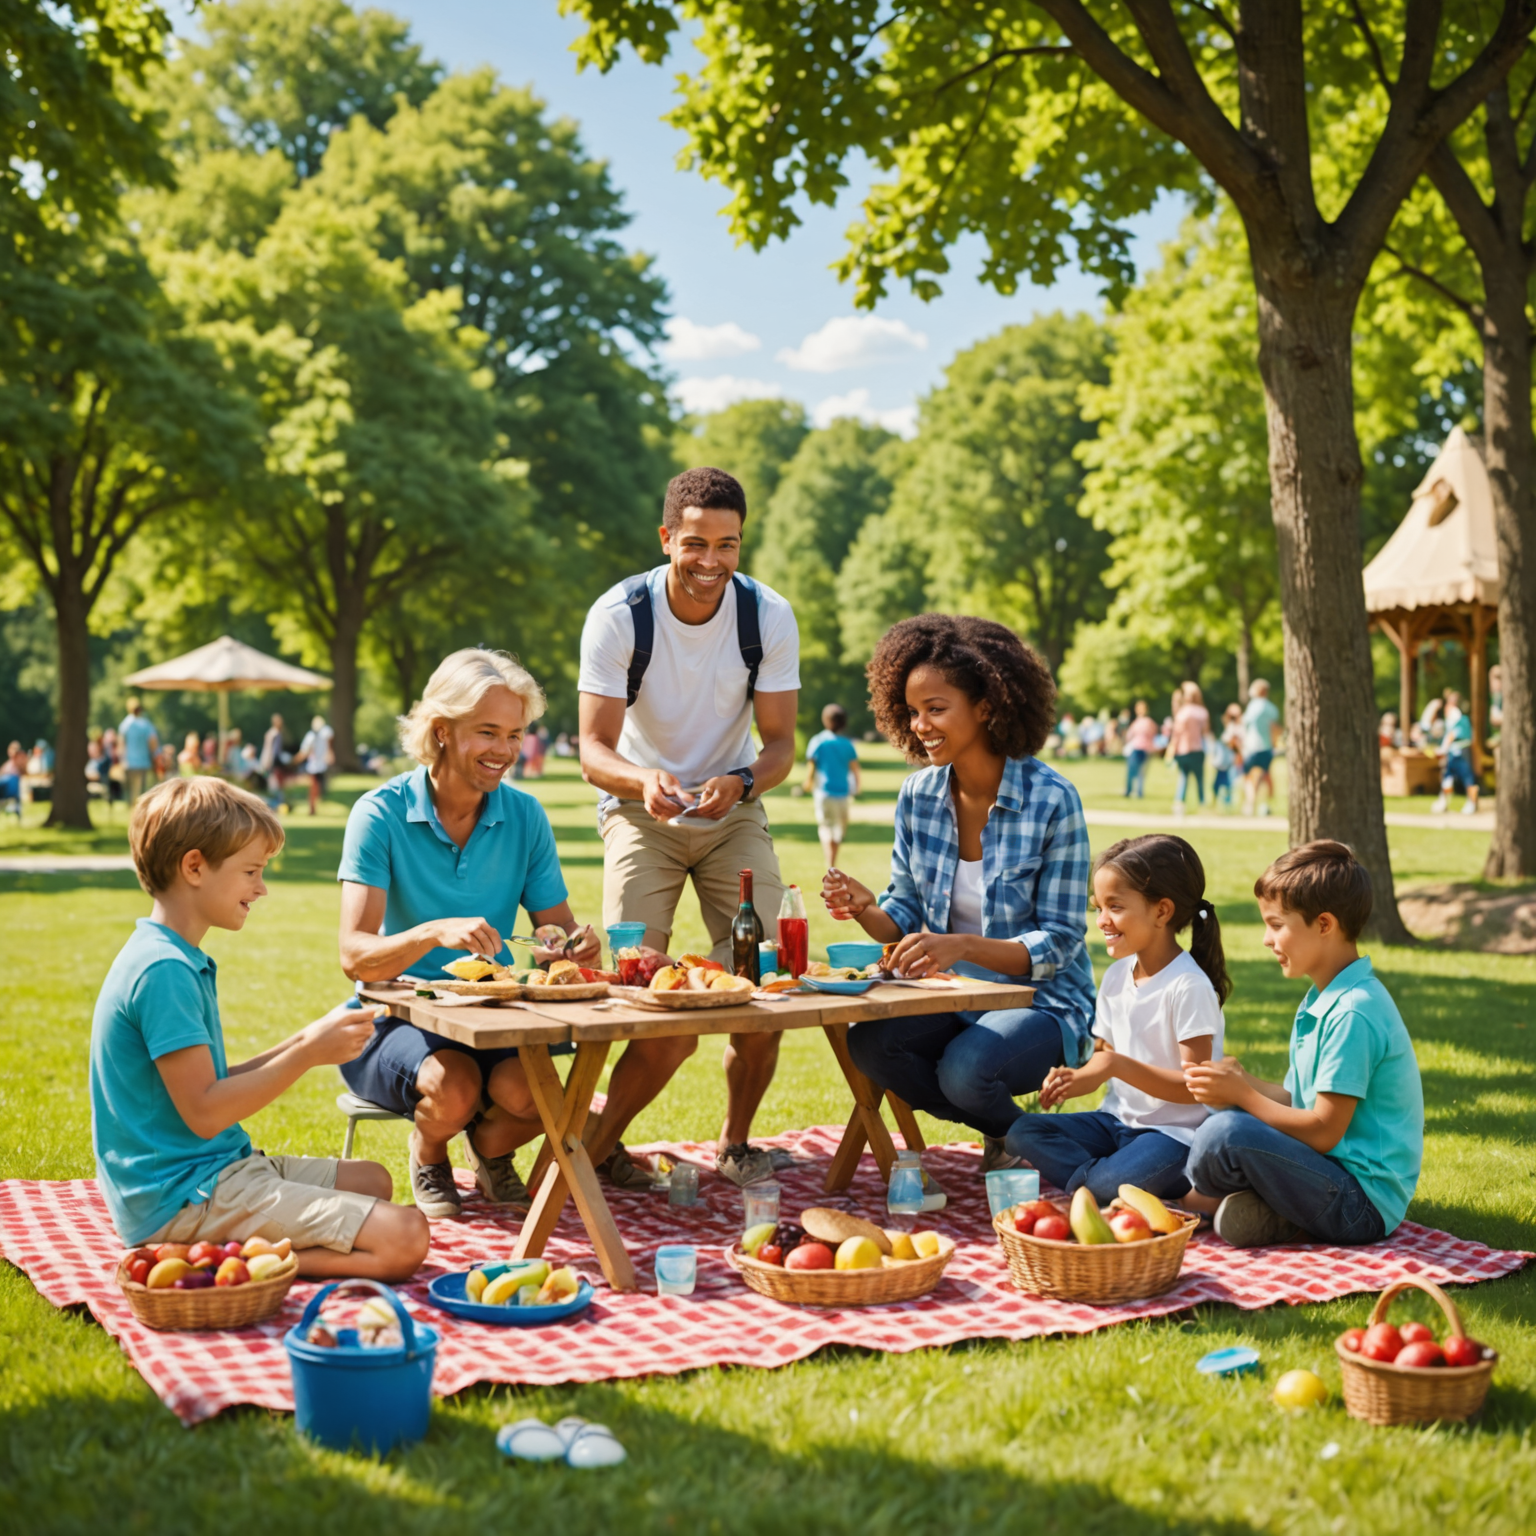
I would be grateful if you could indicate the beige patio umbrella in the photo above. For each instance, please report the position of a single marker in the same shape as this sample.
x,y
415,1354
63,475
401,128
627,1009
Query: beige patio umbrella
x,y
225,666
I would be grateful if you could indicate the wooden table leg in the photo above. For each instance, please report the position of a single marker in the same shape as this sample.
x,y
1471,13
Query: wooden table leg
x,y
564,1113
865,1125
906,1123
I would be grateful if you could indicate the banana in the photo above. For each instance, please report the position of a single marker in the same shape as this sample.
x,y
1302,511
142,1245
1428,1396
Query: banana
x,y
1088,1226
1150,1208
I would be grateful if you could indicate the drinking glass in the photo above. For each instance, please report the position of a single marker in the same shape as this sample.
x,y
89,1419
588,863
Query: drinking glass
x,y
904,1193
624,936
677,1269
683,1185
760,1203
1007,1187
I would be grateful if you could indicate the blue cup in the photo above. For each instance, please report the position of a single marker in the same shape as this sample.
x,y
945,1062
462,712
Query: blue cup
x,y
677,1269
854,952
624,936
1008,1187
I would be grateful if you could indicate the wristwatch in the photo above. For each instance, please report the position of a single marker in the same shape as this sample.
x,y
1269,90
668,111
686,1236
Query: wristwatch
x,y
746,777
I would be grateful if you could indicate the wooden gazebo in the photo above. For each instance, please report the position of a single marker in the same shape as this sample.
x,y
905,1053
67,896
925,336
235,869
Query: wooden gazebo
x,y
1437,577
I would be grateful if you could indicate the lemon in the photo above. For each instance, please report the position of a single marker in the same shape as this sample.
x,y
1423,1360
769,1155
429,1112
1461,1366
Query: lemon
x,y
1300,1389
926,1243
857,1253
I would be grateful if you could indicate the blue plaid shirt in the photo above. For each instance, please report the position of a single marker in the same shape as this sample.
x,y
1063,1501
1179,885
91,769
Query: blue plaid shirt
x,y
1034,866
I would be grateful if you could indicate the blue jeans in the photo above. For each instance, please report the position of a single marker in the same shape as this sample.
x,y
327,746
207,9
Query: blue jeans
x,y
1221,786
1191,765
1094,1148
965,1067
1234,1151
1135,773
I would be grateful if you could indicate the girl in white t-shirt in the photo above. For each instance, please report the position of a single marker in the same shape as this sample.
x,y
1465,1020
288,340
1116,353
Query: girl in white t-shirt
x,y
1158,1009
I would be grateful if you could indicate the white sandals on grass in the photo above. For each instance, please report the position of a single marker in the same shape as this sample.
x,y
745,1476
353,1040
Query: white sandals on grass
x,y
573,1440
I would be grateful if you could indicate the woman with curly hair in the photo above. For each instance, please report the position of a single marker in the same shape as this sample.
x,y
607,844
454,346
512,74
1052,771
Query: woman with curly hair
x,y
989,875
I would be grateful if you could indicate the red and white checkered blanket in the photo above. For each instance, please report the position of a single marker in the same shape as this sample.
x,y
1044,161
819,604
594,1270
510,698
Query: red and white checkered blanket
x,y
60,1234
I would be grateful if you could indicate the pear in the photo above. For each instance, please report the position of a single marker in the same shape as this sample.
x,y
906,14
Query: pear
x,y
1088,1226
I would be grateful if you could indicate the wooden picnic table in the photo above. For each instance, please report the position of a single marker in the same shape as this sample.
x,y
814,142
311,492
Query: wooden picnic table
x,y
563,1170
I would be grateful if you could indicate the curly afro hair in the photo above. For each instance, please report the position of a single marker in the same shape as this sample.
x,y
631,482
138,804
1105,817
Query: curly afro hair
x,y
986,661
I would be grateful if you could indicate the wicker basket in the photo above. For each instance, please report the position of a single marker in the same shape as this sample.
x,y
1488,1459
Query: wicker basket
x,y
214,1306
895,1280
1383,1392
1096,1273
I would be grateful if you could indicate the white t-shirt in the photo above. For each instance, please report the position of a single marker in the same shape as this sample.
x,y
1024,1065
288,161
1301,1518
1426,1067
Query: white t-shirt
x,y
965,905
1147,1023
692,716
315,750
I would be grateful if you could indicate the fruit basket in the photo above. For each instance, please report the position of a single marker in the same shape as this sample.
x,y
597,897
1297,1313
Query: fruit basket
x,y
1099,1274
895,1280
1383,1392
220,1306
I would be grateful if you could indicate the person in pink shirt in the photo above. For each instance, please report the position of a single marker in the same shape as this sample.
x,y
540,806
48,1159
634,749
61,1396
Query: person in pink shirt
x,y
1140,740
1191,725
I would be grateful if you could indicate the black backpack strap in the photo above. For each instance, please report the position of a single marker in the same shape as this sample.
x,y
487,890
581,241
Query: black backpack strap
x,y
749,636
637,593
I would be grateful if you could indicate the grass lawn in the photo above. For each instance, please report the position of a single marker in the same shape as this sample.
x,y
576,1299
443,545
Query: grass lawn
x,y
1112,1432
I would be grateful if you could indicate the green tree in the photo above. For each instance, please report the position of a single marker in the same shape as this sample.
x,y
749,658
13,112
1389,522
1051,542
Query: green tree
x,y
116,420
841,477
1180,465
1040,126
753,440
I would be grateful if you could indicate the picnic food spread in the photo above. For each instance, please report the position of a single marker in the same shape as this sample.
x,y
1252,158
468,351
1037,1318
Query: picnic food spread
x,y
196,1266
520,1283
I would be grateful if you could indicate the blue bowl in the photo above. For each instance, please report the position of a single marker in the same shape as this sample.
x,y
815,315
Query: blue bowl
x,y
856,952
447,1293
830,984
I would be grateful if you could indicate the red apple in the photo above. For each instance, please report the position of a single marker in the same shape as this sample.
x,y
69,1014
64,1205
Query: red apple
x,y
202,1255
810,1256
1053,1229
135,1254
1024,1222
231,1272
1416,1333
1382,1342
1419,1354
1129,1227
1039,1208
1352,1339
231,1250
1460,1350
171,1251
770,1253
138,1270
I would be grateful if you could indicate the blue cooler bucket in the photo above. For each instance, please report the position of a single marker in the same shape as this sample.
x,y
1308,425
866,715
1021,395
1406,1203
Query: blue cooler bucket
x,y
346,1397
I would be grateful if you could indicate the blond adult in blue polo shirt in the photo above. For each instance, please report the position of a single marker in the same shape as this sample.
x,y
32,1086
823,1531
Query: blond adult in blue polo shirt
x,y
434,866
1333,1154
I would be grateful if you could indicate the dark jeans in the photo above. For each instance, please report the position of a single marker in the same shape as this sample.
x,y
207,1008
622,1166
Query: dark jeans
x,y
1094,1148
1191,765
1234,1151
1135,773
965,1067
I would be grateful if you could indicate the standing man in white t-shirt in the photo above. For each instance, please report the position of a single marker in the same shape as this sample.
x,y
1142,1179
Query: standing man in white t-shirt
x,y
675,667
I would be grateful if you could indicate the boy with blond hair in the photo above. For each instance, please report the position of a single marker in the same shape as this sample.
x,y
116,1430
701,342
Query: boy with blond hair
x,y
171,1156
1333,1154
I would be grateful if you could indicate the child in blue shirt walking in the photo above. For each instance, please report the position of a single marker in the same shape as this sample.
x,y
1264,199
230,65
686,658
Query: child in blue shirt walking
x,y
833,778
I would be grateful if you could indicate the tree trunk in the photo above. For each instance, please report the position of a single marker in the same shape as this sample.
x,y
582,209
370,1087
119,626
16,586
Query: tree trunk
x,y
1315,473
344,645
70,806
1511,457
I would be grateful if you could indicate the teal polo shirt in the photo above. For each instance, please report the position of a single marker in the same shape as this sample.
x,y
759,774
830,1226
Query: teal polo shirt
x,y
394,841
1350,1039
159,996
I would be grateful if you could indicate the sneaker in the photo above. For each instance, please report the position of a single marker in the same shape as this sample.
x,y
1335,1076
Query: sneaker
x,y
743,1164
433,1190
496,1177
1439,805
623,1172
1469,809
781,1159
1245,1221
995,1156
1266,809
1178,807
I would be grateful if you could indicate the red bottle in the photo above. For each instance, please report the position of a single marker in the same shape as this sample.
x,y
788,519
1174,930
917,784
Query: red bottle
x,y
794,934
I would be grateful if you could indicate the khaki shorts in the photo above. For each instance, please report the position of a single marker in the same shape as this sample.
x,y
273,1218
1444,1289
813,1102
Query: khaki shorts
x,y
832,814
647,862
273,1197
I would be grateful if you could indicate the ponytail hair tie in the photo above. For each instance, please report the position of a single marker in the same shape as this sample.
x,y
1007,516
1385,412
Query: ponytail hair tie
x,y
1203,914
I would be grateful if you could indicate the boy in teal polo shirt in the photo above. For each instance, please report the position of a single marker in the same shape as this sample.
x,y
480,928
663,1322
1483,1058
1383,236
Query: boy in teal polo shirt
x,y
1334,1154
172,1159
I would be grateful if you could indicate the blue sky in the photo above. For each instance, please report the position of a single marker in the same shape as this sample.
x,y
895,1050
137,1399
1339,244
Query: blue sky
x,y
775,322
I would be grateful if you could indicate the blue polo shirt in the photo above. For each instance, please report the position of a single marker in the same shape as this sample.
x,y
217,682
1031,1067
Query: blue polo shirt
x,y
158,997
394,841
1350,1039
832,755
137,732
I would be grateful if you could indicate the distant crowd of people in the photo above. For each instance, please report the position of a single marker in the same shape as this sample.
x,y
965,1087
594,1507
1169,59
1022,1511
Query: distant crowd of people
x,y
1444,730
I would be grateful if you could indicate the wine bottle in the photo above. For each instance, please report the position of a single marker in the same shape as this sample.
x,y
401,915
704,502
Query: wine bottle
x,y
747,935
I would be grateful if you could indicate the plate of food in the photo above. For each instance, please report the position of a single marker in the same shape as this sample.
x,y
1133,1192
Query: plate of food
x,y
517,1293
564,981
842,986
691,982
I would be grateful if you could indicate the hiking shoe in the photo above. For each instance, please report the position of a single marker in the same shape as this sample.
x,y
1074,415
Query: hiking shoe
x,y
623,1172
496,1177
1245,1221
743,1164
433,1190
995,1156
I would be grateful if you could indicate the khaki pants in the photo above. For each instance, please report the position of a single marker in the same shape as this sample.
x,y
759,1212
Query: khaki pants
x,y
646,863
136,781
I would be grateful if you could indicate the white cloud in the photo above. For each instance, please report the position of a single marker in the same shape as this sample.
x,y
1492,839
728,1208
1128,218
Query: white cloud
x,y
901,419
853,341
690,343
702,395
